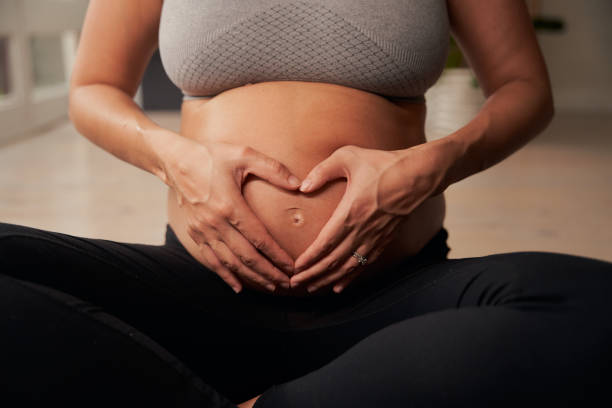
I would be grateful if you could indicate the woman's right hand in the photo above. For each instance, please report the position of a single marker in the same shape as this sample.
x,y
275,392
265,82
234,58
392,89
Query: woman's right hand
x,y
208,178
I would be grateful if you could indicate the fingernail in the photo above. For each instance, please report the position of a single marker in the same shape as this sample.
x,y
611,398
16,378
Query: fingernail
x,y
286,285
338,288
305,185
311,288
294,283
294,181
270,287
236,289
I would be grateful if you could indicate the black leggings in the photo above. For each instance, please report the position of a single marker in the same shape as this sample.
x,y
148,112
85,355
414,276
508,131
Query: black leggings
x,y
93,322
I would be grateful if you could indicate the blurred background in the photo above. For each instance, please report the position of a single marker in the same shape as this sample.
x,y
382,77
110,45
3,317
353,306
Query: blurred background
x,y
553,195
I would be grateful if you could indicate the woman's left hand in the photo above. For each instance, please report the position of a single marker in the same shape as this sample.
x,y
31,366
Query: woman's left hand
x,y
382,188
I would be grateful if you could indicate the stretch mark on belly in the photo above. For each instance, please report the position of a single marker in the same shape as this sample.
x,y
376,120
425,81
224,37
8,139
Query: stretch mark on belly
x,y
297,216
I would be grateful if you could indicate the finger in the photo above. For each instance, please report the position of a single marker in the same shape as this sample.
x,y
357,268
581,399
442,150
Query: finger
x,y
380,241
350,265
247,223
196,235
348,278
329,169
326,265
209,259
247,254
332,233
229,261
371,257
212,262
269,169
344,282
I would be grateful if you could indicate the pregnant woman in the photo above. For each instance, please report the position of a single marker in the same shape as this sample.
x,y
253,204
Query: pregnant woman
x,y
305,261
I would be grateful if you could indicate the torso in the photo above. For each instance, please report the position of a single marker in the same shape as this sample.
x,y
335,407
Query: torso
x,y
300,124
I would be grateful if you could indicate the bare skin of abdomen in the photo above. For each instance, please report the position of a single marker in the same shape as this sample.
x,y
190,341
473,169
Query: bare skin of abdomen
x,y
300,124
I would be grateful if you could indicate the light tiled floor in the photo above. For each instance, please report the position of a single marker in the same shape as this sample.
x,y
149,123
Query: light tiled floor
x,y
553,195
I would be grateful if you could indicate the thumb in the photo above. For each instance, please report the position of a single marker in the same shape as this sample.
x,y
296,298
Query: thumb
x,y
270,170
329,169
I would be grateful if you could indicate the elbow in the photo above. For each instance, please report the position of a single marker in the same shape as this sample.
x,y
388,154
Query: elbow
x,y
548,109
549,102
71,105
75,111
546,106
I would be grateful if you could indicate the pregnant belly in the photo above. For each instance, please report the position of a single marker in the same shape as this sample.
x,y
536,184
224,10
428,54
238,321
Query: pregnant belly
x,y
300,125
293,219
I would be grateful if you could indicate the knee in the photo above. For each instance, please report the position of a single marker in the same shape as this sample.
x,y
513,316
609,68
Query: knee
x,y
10,230
542,277
550,268
9,235
563,271
17,242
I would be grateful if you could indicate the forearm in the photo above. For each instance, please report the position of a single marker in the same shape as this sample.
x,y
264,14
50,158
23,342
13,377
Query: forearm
x,y
511,116
110,118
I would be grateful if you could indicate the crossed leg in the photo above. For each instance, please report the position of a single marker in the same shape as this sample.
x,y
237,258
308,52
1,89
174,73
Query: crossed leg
x,y
502,330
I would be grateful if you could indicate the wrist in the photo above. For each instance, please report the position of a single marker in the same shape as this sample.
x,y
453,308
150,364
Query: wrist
x,y
421,171
449,152
462,147
165,145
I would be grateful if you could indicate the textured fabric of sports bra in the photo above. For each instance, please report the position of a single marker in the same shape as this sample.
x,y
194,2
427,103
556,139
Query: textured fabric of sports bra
x,y
394,48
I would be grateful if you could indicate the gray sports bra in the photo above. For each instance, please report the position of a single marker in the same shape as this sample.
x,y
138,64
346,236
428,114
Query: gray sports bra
x,y
394,48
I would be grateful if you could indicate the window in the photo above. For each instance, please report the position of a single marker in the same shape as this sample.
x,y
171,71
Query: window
x,y
5,80
47,60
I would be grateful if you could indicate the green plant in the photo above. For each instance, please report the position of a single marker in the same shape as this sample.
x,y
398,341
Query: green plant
x,y
454,59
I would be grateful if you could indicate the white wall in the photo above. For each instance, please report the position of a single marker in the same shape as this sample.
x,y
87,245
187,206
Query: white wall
x,y
28,108
580,59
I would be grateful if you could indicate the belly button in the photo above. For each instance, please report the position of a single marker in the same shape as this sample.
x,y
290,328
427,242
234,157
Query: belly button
x,y
297,216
